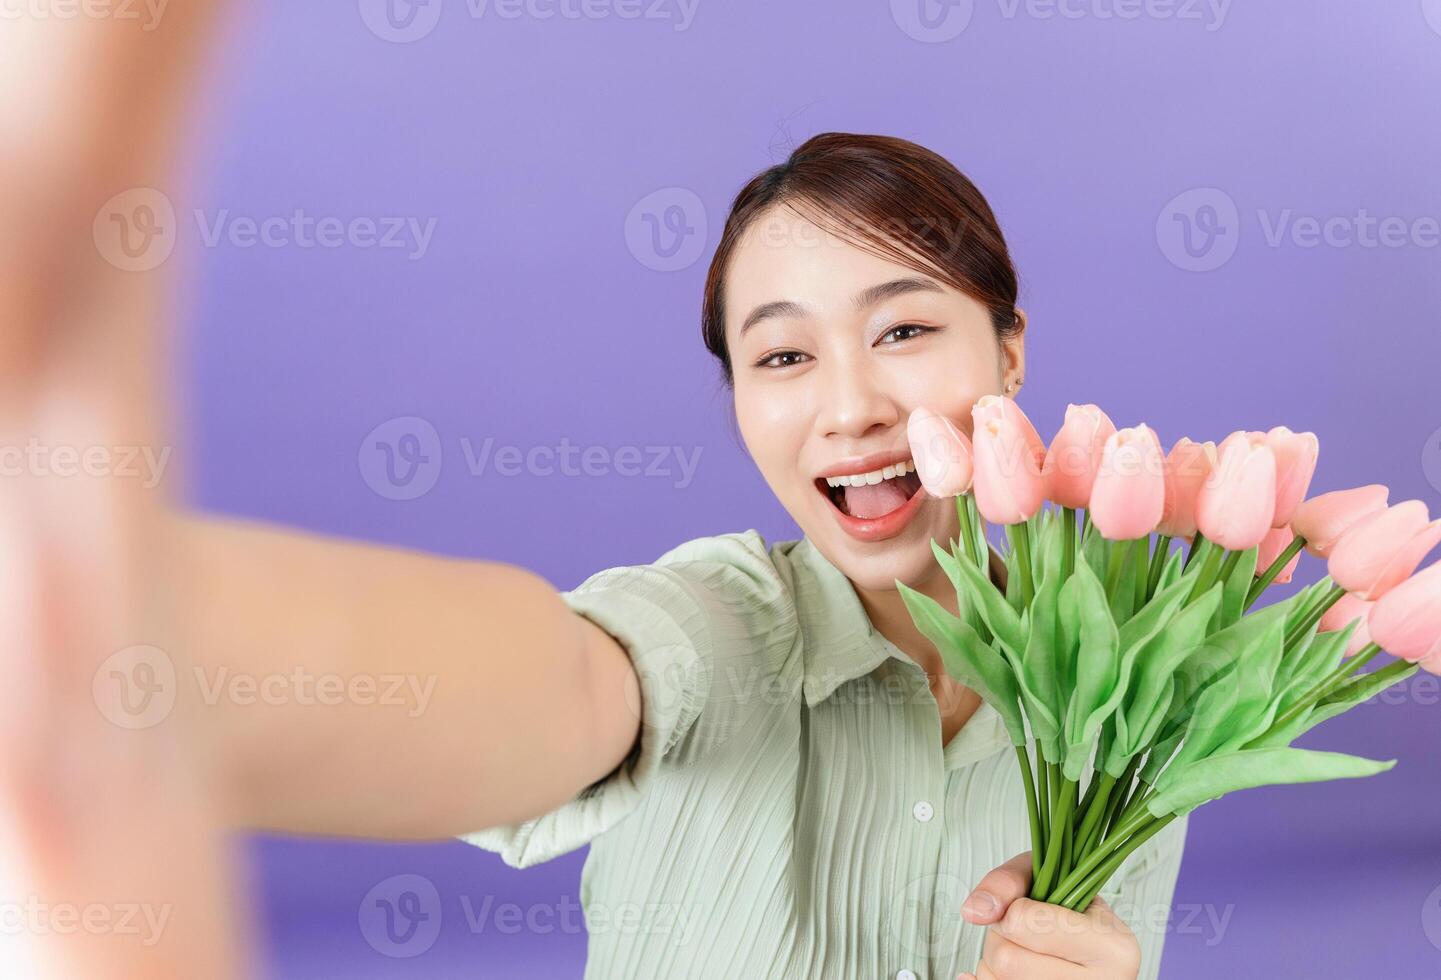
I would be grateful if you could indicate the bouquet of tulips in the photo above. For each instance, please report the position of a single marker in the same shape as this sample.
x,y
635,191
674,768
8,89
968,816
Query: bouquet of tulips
x,y
1139,671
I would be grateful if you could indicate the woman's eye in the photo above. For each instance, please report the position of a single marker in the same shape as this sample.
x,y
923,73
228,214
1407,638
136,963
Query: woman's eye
x,y
781,358
904,331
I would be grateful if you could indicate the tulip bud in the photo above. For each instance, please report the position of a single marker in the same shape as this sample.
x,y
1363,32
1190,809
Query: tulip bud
x,y
941,452
1130,490
1234,508
1323,519
1406,621
1188,467
1276,541
1296,454
1075,455
1380,551
1008,458
1347,610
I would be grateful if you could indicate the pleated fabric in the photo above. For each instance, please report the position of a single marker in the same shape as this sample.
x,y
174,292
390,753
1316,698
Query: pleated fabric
x,y
789,810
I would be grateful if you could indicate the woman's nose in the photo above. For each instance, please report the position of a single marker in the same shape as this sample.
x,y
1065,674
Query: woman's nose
x,y
853,404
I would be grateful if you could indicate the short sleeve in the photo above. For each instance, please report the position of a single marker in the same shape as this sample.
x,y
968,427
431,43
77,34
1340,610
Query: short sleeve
x,y
1142,890
703,601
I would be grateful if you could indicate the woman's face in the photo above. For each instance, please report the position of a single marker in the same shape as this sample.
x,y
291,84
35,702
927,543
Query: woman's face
x,y
832,348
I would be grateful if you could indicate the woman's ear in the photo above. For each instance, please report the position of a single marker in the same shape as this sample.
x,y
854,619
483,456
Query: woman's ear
x,y
1013,357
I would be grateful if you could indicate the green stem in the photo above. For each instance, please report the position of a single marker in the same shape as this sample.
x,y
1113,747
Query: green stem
x,y
1060,820
1043,804
1118,802
1068,550
1022,538
1100,803
1143,558
1032,810
1199,545
1304,627
1097,857
1085,893
1114,561
968,533
1158,564
1269,575
1209,570
1322,688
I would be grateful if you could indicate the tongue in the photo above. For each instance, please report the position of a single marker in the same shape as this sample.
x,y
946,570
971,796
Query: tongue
x,y
873,501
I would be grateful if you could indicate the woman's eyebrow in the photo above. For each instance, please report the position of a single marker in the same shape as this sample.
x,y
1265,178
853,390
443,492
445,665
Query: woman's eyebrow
x,y
865,299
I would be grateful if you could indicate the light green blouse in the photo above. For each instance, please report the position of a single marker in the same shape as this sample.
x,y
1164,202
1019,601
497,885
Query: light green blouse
x,y
789,810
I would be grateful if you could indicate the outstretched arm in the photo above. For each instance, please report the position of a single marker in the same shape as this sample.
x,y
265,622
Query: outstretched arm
x,y
410,696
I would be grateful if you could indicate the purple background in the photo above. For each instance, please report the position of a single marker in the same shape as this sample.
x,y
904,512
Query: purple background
x,y
538,314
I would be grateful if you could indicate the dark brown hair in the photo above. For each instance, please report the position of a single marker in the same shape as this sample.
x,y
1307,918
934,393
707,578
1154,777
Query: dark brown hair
x,y
890,196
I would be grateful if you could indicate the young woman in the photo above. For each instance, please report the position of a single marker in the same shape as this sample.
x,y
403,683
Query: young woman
x,y
763,752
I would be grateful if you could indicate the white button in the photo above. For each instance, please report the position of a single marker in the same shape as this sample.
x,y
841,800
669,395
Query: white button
x,y
923,811
905,975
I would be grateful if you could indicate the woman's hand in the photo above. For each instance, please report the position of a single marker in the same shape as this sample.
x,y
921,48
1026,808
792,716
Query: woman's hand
x,y
1030,940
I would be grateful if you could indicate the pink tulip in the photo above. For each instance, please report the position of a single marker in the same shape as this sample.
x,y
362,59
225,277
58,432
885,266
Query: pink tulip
x,y
1406,621
1075,455
1296,454
1346,611
1188,467
1322,520
941,452
1277,540
1008,458
1380,551
1130,490
1234,507
1000,407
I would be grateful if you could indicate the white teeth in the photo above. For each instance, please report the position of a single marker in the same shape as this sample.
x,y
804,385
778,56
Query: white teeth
x,y
873,477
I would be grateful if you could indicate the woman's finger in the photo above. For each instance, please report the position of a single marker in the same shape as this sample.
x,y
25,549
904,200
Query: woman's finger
x,y
995,892
1006,960
1089,940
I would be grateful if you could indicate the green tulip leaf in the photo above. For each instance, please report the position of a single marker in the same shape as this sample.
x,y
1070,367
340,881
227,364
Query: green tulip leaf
x,y
1183,787
968,659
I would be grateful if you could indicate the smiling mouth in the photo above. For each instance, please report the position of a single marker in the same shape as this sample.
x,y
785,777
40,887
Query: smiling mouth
x,y
867,500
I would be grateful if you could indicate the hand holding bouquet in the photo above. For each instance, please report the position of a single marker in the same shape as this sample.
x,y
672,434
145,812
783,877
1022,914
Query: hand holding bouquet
x,y
1140,673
